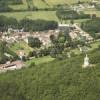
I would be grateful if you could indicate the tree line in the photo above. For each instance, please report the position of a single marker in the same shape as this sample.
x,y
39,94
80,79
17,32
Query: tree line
x,y
10,1
5,49
71,14
27,24
91,26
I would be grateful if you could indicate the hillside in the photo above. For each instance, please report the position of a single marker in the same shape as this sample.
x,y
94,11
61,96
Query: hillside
x,y
56,80
48,40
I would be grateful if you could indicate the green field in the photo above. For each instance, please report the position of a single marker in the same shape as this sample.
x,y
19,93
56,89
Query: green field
x,y
51,3
40,60
46,15
46,4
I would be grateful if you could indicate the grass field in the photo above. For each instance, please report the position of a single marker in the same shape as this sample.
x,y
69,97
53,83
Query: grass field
x,y
46,15
40,60
44,4
51,3
20,6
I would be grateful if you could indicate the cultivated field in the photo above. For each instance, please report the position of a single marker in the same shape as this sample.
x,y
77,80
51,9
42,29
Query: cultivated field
x,y
46,15
45,3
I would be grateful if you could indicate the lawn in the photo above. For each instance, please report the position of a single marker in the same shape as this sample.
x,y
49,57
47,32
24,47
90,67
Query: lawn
x,y
46,15
51,3
34,15
39,60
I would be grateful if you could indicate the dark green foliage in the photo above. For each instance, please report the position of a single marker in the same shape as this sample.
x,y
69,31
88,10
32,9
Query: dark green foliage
x,y
4,4
57,80
95,58
38,25
5,49
4,7
31,65
58,46
31,5
40,53
27,24
10,2
71,14
98,6
7,22
34,42
91,26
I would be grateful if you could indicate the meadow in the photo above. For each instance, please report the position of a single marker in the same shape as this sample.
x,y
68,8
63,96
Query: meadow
x,y
22,12
45,3
46,15
40,60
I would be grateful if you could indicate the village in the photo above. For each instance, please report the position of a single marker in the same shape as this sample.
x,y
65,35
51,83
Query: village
x,y
12,35
73,30
49,49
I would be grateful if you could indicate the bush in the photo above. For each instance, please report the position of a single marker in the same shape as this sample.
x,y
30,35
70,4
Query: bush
x,y
38,25
71,14
32,65
6,2
91,26
94,59
27,24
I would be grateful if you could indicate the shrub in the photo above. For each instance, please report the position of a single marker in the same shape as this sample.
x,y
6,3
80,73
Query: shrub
x,y
71,14
94,59
91,26
32,65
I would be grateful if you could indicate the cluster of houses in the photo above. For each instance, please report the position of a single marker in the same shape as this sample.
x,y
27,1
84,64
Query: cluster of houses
x,y
11,66
44,36
74,31
85,5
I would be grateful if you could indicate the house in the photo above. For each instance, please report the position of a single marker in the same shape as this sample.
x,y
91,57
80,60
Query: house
x,y
21,54
12,66
16,36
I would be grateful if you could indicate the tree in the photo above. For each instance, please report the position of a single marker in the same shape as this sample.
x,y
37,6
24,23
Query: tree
x,y
53,38
3,48
70,14
91,26
34,42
